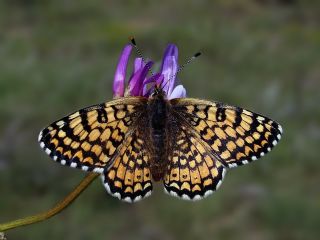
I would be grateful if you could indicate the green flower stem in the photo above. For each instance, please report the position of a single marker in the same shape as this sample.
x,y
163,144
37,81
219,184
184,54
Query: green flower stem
x,y
53,211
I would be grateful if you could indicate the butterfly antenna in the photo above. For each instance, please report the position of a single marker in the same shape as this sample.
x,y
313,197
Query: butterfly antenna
x,y
182,67
133,42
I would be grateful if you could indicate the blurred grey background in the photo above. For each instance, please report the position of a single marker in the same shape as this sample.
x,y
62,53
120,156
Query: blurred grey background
x,y
59,56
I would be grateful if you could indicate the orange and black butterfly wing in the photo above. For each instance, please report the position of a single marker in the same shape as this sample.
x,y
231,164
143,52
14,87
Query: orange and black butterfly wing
x,y
129,177
193,172
235,136
89,138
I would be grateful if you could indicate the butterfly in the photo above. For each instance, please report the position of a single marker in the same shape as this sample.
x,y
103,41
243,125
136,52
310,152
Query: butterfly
x,y
187,143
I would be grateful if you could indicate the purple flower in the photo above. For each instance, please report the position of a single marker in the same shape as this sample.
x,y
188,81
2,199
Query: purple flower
x,y
140,84
120,74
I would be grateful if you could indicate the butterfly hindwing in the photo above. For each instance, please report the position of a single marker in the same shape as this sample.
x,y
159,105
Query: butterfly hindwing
x,y
235,135
89,138
193,173
129,177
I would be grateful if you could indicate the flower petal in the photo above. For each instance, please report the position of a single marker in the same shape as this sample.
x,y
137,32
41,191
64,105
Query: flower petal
x,y
169,66
156,79
138,64
169,71
160,80
178,92
136,81
171,50
120,74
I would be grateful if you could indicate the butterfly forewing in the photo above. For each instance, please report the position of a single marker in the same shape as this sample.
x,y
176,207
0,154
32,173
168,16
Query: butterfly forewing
x,y
89,138
235,136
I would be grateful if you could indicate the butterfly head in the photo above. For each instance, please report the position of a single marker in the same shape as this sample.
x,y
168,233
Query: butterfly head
x,y
158,91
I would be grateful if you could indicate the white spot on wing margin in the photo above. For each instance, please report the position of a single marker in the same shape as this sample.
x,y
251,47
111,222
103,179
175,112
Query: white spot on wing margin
x,y
118,195
197,197
40,137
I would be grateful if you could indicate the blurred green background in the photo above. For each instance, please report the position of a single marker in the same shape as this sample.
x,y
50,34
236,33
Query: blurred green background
x,y
59,56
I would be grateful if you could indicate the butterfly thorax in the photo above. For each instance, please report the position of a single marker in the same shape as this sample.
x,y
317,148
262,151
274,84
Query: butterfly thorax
x,y
158,109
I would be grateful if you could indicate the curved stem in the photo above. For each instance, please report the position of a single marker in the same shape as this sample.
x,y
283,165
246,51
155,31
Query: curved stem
x,y
53,211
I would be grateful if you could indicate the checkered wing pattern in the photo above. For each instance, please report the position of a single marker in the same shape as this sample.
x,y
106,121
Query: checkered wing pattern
x,y
90,138
193,172
235,136
129,177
